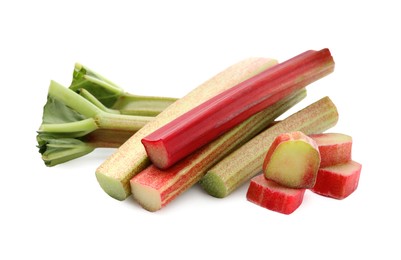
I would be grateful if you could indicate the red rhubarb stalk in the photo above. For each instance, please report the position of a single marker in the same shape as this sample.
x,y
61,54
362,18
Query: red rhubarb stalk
x,y
212,118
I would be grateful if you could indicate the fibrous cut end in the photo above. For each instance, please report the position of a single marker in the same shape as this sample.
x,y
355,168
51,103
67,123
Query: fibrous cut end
x,y
292,160
214,185
148,197
112,186
338,181
273,196
155,149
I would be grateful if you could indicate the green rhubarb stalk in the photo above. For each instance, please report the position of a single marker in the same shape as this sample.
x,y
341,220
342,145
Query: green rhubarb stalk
x,y
111,98
69,118
87,116
154,188
87,95
246,162
130,158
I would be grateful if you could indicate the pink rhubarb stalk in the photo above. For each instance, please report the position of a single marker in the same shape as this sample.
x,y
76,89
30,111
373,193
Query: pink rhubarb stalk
x,y
154,188
209,120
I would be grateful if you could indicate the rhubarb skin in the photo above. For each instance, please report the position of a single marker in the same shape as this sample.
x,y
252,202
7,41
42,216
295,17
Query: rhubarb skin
x,y
154,188
292,160
115,173
338,181
273,196
207,121
247,161
334,148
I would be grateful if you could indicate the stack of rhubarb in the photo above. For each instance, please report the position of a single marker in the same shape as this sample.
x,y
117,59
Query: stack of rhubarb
x,y
296,162
219,140
224,132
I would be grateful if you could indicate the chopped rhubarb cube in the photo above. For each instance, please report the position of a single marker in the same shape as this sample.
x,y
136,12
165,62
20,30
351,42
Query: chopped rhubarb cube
x,y
292,160
338,181
273,196
334,148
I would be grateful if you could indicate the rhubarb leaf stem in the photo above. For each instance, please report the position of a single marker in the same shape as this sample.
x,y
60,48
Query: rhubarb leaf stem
x,y
142,105
72,100
111,96
69,119
63,150
83,127
121,122
87,95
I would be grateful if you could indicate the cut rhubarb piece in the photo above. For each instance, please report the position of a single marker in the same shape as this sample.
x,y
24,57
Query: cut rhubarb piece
x,y
292,160
247,161
130,158
154,188
334,148
338,181
212,118
273,196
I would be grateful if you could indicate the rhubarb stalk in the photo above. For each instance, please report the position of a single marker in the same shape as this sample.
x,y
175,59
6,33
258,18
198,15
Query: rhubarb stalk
x,y
115,173
204,123
113,99
154,188
247,161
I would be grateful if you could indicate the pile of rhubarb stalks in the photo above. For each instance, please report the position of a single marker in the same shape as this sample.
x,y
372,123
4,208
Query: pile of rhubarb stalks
x,y
221,135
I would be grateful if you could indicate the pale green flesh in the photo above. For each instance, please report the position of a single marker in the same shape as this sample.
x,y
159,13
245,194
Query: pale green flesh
x,y
148,197
112,186
214,185
289,162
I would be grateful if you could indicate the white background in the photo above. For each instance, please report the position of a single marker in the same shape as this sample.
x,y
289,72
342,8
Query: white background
x,y
167,48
